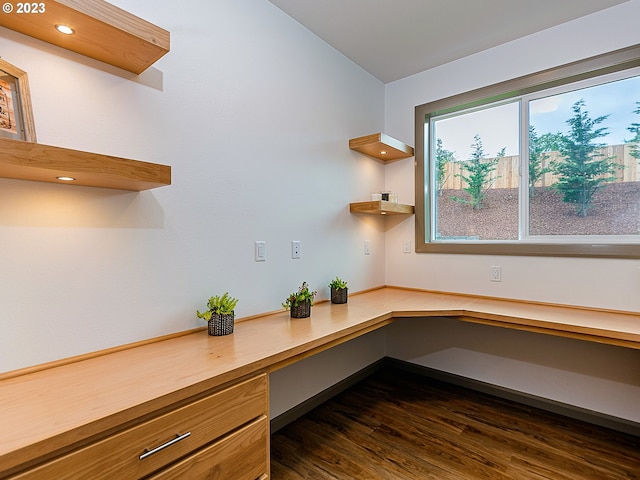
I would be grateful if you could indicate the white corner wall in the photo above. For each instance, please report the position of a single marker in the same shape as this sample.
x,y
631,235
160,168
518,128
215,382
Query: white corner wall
x,y
253,113
605,379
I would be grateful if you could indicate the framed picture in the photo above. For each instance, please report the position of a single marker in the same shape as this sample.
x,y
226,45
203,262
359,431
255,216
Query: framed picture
x,y
16,117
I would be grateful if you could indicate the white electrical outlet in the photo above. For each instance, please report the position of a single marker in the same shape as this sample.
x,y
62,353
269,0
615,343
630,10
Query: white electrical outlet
x,y
406,246
261,251
495,273
367,248
295,248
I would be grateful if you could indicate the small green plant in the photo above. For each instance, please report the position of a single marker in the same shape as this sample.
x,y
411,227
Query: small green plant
x,y
338,284
221,305
302,295
479,174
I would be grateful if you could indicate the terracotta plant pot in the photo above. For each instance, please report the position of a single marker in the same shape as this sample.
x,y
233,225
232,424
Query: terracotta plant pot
x,y
339,296
221,324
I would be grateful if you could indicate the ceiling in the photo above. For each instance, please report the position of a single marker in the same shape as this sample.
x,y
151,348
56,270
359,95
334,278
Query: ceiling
x,y
393,39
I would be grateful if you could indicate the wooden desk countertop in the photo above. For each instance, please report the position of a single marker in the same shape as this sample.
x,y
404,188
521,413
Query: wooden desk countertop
x,y
49,411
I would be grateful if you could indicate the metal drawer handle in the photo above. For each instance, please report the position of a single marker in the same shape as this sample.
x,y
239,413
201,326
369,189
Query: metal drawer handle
x,y
148,453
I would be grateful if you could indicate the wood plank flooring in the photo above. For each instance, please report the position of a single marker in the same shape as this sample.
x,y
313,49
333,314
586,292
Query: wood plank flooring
x,y
399,425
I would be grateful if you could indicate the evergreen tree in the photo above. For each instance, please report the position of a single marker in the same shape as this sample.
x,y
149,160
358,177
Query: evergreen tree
x,y
635,129
443,157
550,142
538,148
583,171
478,175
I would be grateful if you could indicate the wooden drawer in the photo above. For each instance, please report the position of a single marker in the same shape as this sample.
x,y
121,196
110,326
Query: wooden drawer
x,y
242,455
204,421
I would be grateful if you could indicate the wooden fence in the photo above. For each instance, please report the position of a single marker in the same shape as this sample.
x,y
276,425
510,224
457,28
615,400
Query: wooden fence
x,y
506,174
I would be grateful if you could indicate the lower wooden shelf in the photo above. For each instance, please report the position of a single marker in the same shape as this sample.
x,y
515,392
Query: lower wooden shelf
x,y
43,163
381,207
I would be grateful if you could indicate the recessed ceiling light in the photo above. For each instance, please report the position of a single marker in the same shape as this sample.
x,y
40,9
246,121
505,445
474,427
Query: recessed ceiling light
x,y
383,152
67,30
65,179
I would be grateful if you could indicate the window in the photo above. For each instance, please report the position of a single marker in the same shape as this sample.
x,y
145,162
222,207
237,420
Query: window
x,y
546,164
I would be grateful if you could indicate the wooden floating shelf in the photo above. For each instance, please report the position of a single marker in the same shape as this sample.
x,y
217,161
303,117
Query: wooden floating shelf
x,y
381,207
381,146
42,163
102,31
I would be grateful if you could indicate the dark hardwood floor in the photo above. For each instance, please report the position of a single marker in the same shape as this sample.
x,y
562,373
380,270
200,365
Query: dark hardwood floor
x,y
398,425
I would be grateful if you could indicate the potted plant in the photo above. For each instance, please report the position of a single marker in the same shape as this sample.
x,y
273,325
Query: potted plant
x,y
300,302
220,314
339,290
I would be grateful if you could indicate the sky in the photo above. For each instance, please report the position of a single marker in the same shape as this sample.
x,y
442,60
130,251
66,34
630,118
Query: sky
x,y
498,126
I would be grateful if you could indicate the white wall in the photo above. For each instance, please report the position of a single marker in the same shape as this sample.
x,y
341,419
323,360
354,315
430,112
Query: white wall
x,y
253,113
540,364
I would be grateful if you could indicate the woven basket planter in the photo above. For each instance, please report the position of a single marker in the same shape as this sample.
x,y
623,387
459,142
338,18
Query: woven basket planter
x,y
221,324
339,296
302,310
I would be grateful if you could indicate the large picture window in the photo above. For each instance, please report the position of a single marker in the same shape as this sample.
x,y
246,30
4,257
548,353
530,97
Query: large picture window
x,y
541,165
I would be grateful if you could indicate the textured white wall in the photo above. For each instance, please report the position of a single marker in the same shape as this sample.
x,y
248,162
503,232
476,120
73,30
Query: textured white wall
x,y
253,113
606,379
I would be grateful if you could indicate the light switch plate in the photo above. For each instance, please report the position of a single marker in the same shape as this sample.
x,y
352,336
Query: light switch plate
x,y
261,251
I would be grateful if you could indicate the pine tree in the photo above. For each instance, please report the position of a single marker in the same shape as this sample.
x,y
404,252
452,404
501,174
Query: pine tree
x,y
550,142
583,171
478,175
537,156
635,129
443,157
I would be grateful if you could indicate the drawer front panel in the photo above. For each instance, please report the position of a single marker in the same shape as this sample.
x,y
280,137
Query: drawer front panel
x,y
242,455
199,423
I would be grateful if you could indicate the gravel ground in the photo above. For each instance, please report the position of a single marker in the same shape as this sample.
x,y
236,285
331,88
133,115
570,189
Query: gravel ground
x,y
615,210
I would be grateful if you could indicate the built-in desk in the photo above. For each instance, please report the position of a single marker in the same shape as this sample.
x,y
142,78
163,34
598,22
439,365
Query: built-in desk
x,y
59,411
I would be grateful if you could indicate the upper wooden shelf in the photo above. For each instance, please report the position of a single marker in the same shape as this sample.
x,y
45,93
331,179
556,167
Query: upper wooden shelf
x,y
381,146
102,31
381,207
43,163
